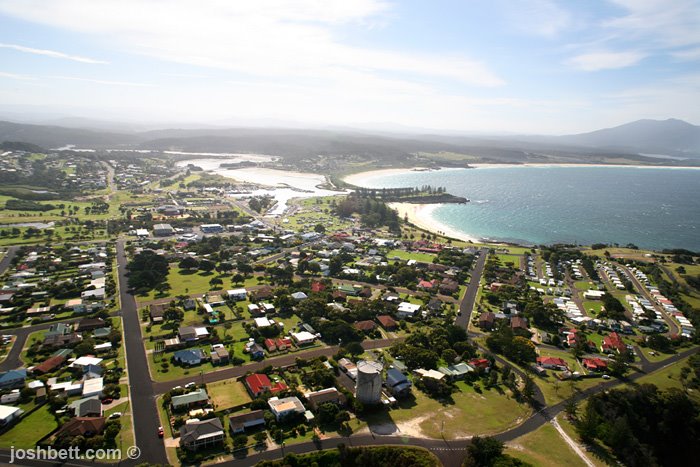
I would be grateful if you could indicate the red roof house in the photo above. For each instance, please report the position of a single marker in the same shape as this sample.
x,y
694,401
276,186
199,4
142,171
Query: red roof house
x,y
595,364
553,363
258,383
613,343
387,322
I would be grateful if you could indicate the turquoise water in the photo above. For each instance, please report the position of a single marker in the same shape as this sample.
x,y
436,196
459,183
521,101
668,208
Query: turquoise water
x,y
650,207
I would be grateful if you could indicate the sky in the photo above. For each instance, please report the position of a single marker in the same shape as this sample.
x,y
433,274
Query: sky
x,y
473,66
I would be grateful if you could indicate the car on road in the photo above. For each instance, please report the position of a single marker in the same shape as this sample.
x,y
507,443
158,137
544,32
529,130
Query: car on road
x,y
161,432
189,385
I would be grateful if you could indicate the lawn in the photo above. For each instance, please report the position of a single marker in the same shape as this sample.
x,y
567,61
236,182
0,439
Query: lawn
x,y
667,378
468,413
544,447
125,439
510,259
408,255
594,305
227,394
30,429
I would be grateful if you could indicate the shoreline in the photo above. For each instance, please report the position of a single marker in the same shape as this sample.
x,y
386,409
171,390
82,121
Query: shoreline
x,y
421,215
357,178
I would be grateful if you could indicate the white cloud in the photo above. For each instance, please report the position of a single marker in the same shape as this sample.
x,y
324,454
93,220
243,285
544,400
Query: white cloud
x,y
596,61
687,54
101,81
266,38
51,53
538,17
15,76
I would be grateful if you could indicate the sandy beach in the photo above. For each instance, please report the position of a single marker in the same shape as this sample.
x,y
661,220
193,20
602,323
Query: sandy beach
x,y
421,215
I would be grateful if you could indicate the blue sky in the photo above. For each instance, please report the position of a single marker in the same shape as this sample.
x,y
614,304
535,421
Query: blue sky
x,y
527,66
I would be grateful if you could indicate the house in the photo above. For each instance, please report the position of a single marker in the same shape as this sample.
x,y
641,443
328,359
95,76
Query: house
x,y
303,338
49,365
163,230
407,310
219,356
85,360
9,414
262,322
397,383
259,383
594,364
102,333
89,324
93,294
255,350
238,423
285,407
265,292
387,322
553,363
237,295
81,426
455,372
156,312
270,345
13,379
518,322
613,343
328,395
189,357
479,364
365,326
196,434
430,374
435,305
215,299
283,343
426,285
486,320
299,296
448,286
192,399
93,387
317,287
191,333
212,228
87,407
253,309
61,340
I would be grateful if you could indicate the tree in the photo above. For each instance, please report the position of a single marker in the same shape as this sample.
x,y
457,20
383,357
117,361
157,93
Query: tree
x,y
260,437
483,451
319,228
240,441
354,348
188,263
206,265
146,270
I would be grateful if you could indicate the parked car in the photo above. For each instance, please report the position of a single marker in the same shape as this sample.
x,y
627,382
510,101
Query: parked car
x,y
107,400
161,432
115,415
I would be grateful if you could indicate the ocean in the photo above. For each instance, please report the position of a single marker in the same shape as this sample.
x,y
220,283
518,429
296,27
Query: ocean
x,y
653,208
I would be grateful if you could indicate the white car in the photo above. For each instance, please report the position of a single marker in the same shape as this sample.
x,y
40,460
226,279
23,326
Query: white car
x,y
115,415
606,376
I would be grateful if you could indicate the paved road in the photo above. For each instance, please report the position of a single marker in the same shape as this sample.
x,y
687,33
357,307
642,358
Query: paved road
x,y
467,306
13,360
143,402
7,259
284,360
672,324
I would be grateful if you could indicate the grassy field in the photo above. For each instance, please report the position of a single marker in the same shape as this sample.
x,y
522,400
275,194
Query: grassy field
x,y
468,413
544,447
30,429
226,394
406,255
510,259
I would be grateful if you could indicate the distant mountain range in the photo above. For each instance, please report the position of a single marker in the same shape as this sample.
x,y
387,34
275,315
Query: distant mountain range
x,y
639,142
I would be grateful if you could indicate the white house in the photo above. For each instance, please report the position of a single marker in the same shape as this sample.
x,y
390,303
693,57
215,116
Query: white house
x,y
285,407
93,387
8,414
407,310
237,294
303,337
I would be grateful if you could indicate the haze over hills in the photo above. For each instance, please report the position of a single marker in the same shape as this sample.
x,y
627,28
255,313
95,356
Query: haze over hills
x,y
628,143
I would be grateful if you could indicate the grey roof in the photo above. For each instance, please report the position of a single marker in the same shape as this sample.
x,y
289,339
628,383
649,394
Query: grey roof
x,y
200,395
194,431
88,406
394,377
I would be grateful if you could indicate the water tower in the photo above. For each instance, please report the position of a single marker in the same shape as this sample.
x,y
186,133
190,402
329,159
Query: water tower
x,y
368,386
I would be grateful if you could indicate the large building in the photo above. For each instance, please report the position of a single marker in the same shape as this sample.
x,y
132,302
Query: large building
x,y
368,385
163,230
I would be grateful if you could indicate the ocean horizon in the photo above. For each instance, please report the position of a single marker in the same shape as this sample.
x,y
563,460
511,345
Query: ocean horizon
x,y
651,207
